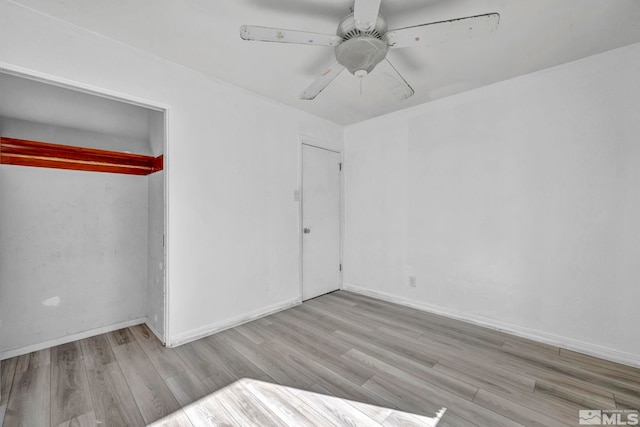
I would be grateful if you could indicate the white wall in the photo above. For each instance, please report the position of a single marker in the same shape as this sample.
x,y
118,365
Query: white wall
x,y
73,253
156,134
155,297
122,126
515,205
47,132
232,167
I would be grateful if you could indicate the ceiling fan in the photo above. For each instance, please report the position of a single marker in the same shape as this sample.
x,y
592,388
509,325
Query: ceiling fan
x,y
363,40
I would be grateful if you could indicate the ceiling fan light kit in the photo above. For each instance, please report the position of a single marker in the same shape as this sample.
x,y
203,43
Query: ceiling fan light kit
x,y
360,51
362,41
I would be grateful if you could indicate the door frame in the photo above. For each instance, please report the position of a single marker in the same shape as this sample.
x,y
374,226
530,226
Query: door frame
x,y
319,144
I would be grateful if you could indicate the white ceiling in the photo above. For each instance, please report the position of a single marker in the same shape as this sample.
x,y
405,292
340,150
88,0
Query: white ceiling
x,y
204,35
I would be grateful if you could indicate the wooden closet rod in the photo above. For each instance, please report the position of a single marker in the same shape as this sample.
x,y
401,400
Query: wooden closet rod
x,y
47,155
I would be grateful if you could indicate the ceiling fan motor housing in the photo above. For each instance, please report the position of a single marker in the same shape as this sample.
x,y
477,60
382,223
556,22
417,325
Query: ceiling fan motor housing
x,y
361,50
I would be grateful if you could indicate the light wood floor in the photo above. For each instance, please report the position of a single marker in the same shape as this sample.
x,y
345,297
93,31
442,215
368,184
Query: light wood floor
x,y
340,359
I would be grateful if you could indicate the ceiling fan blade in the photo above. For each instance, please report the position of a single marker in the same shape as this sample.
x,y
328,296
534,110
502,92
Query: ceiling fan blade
x,y
365,14
322,82
267,34
400,89
443,31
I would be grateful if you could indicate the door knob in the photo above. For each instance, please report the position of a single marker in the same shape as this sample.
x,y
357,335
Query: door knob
x,y
307,230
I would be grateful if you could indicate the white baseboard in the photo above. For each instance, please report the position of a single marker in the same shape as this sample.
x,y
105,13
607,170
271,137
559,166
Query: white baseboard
x,y
532,334
213,328
7,354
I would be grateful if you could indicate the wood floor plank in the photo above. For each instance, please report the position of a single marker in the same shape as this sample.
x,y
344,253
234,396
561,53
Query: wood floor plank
x,y
558,409
458,403
7,372
186,387
514,411
384,353
285,405
97,351
209,412
360,318
112,399
407,402
30,399
3,410
120,337
217,380
335,298
175,419
198,357
326,356
600,365
583,398
411,350
431,350
555,369
245,408
263,321
273,365
320,322
485,377
627,402
69,386
535,367
440,339
250,332
430,321
33,360
325,377
337,320
233,360
433,322
375,412
308,329
403,419
151,394
554,407
383,320
337,411
528,345
434,378
558,366
84,420
166,360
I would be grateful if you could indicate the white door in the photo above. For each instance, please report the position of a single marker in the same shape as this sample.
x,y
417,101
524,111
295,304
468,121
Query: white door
x,y
320,221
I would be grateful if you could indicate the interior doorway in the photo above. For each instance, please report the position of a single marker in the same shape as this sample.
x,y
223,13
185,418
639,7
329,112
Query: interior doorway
x,y
321,236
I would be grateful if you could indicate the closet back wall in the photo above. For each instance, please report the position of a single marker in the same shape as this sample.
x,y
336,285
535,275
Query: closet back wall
x,y
74,253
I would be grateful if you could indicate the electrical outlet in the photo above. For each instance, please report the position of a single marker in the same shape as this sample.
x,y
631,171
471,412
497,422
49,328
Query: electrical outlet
x,y
412,281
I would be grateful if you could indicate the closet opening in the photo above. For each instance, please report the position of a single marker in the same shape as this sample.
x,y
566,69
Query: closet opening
x,y
82,214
